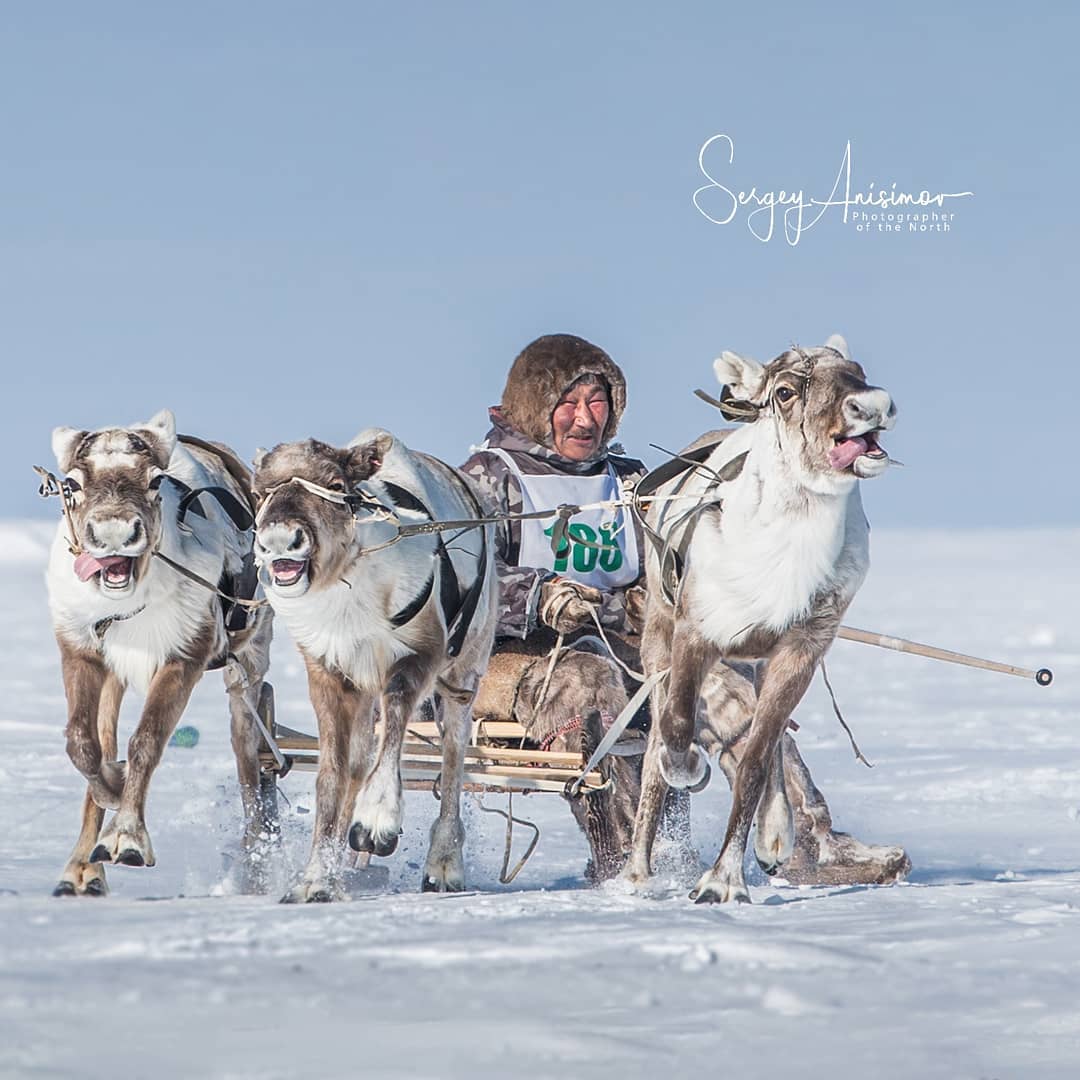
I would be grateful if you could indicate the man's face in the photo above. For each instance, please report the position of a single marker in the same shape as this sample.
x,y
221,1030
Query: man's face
x,y
579,420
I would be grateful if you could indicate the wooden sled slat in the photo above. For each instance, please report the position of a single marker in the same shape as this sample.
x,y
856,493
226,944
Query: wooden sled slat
x,y
420,774
297,741
495,760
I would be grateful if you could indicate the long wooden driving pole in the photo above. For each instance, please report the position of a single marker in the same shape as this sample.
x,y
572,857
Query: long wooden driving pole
x,y
1044,676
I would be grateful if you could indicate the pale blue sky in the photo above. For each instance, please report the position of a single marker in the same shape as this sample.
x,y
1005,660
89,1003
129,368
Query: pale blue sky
x,y
285,220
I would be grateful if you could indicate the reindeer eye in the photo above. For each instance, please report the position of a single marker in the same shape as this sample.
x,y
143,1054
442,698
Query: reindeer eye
x,y
336,485
784,394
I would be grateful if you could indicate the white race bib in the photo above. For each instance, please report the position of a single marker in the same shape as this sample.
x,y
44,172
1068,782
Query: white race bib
x,y
613,564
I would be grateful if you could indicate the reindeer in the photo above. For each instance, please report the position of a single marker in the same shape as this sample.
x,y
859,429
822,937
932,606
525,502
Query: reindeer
x,y
763,564
152,525
380,619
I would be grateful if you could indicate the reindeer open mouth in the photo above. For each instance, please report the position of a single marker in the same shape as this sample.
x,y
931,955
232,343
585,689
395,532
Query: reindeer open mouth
x,y
847,449
116,571
286,572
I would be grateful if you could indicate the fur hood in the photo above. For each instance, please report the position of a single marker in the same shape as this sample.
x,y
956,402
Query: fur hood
x,y
543,371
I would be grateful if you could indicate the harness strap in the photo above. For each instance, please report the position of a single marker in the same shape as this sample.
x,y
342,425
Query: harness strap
x,y
457,610
618,726
467,604
233,465
237,512
673,556
101,627
415,606
653,480
192,576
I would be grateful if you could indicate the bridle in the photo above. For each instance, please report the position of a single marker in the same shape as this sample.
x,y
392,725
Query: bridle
x,y
354,501
66,489
240,515
742,410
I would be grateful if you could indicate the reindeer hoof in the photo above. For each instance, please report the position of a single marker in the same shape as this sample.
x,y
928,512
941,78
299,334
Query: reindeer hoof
x,y
100,854
319,891
719,888
430,884
689,771
712,895
386,847
703,783
65,888
96,887
360,839
131,857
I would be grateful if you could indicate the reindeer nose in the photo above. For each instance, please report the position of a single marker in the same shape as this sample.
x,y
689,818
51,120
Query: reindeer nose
x,y
114,533
280,538
873,406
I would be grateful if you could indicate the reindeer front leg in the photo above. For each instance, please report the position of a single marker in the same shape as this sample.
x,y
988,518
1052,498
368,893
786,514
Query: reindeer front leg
x,y
682,762
379,807
125,839
82,877
84,679
791,667
336,703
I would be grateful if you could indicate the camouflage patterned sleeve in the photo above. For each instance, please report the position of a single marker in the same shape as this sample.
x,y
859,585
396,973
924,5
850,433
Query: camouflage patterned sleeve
x,y
519,586
613,612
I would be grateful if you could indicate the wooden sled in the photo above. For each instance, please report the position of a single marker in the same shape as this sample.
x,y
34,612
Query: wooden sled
x,y
498,759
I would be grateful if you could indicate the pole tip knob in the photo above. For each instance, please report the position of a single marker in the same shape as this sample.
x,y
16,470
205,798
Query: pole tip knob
x,y
1044,676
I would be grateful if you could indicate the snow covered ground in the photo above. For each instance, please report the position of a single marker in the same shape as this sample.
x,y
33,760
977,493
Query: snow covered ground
x,y
971,969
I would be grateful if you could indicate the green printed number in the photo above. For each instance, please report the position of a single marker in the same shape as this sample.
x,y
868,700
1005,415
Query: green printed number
x,y
583,555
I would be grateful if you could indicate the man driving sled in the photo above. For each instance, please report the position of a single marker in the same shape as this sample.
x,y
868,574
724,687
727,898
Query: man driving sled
x,y
550,444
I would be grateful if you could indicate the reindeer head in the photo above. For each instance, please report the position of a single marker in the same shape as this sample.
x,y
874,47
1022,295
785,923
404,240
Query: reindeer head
x,y
305,538
825,416
113,477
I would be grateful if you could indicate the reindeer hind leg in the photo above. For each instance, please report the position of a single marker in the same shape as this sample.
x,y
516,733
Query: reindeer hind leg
x,y
444,868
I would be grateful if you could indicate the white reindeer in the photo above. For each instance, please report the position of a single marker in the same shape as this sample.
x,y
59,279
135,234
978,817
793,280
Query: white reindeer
x,y
377,620
124,617
763,566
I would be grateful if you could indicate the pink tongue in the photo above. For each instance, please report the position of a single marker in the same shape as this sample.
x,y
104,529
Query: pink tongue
x,y
843,454
86,565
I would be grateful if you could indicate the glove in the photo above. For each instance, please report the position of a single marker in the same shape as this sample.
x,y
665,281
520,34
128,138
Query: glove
x,y
566,606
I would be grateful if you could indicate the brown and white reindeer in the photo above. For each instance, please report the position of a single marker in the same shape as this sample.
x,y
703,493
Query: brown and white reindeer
x,y
761,563
380,620
124,617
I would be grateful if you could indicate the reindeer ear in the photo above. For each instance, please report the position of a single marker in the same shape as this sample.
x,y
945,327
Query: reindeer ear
x,y
744,376
260,456
839,344
64,442
366,454
161,429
